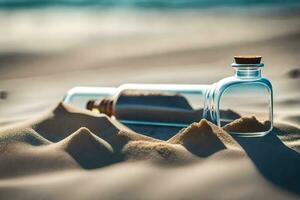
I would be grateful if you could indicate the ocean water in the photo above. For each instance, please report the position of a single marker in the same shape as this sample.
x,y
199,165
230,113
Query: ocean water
x,y
154,4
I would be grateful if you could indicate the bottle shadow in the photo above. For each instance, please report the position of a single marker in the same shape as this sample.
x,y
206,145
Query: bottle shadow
x,y
275,161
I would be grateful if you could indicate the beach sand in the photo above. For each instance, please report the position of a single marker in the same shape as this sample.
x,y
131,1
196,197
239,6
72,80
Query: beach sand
x,y
50,150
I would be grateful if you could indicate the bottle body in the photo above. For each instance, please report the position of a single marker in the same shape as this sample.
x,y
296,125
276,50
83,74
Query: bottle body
x,y
248,100
146,104
246,96
160,104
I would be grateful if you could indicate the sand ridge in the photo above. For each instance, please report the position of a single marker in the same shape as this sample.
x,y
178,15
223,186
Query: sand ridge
x,y
94,140
66,139
22,135
204,138
247,124
87,149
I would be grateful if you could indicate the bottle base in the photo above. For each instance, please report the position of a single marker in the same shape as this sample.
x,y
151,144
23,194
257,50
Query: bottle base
x,y
254,134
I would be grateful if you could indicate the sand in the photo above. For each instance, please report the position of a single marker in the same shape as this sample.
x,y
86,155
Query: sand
x,y
67,153
76,154
247,125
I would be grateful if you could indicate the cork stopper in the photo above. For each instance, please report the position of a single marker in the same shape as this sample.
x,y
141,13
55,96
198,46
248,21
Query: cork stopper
x,y
248,59
104,106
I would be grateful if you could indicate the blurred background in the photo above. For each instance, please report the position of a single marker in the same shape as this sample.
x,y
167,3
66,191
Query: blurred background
x,y
50,46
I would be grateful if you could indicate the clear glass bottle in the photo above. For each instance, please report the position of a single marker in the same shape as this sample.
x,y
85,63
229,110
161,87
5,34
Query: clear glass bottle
x,y
246,94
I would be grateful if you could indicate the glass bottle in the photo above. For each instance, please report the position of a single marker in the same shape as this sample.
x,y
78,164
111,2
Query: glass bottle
x,y
246,94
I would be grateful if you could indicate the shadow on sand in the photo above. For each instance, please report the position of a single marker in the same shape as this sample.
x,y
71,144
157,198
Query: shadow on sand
x,y
275,161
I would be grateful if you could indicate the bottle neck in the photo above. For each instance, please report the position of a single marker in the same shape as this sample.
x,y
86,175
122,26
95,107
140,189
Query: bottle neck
x,y
248,73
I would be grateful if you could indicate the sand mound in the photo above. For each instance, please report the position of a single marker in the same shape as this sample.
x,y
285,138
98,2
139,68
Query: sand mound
x,y
87,149
27,136
90,149
65,120
203,138
23,151
246,125
158,151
